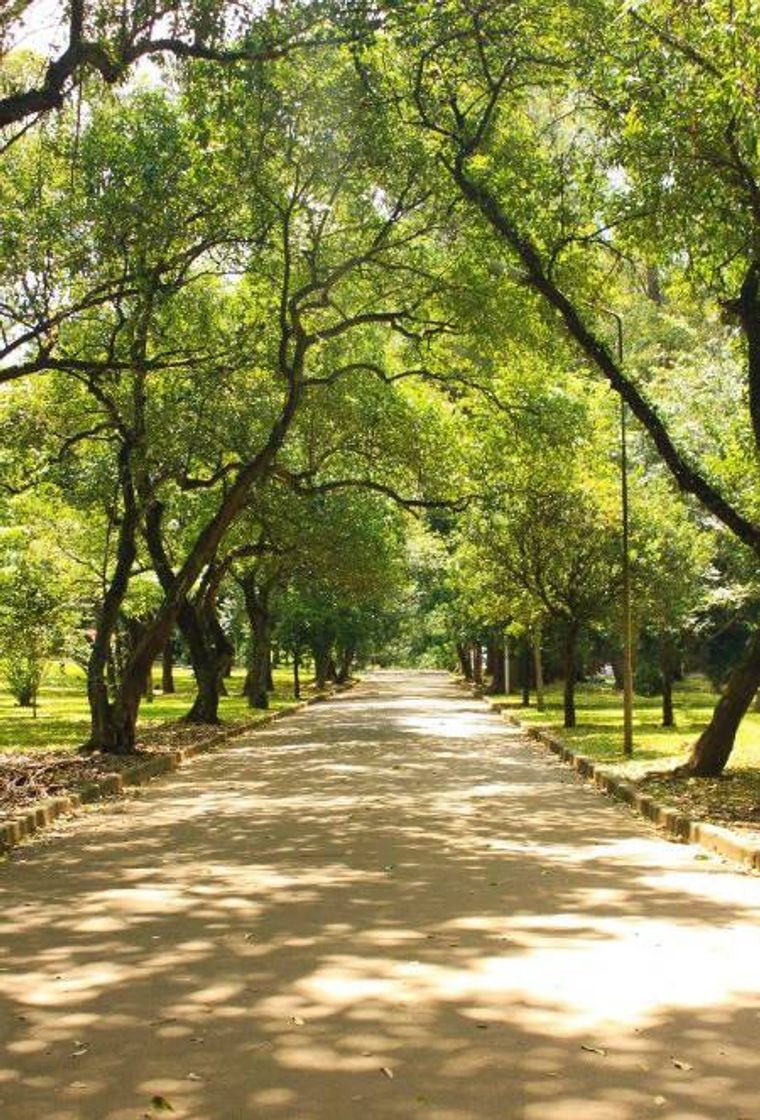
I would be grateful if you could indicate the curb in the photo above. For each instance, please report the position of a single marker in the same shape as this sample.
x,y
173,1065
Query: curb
x,y
675,824
671,821
15,829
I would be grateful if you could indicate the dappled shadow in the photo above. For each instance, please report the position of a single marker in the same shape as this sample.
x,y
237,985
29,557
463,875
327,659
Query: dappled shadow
x,y
388,906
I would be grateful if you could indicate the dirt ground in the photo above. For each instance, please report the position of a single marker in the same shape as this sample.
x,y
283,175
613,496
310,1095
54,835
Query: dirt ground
x,y
388,907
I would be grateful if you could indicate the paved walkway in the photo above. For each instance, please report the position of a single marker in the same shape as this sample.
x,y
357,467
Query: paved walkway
x,y
389,907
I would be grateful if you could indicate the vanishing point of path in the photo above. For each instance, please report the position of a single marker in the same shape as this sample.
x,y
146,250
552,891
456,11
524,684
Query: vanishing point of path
x,y
388,907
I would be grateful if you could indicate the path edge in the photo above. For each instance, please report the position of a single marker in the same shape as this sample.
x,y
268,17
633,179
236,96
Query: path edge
x,y
32,821
677,825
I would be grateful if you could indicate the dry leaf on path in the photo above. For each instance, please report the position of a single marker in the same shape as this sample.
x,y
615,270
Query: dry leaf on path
x,y
594,1050
387,1072
680,1064
161,1104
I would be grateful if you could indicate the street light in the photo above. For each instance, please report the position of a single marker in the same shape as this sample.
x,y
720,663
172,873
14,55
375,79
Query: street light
x,y
627,627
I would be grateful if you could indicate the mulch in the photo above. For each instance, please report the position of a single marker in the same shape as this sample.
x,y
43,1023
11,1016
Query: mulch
x,y
29,778
732,800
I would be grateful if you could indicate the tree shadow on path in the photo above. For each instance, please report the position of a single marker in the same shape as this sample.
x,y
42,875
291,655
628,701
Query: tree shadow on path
x,y
391,906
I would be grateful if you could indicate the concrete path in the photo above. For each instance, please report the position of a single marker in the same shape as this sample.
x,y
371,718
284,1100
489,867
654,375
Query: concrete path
x,y
389,907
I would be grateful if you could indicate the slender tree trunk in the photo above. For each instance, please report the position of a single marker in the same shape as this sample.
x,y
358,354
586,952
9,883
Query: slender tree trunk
x,y
477,664
463,656
526,659
667,660
104,734
571,645
538,667
296,675
713,747
498,676
490,657
167,669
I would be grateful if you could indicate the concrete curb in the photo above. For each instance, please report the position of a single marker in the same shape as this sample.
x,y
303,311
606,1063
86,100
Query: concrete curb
x,y
679,826
669,820
15,829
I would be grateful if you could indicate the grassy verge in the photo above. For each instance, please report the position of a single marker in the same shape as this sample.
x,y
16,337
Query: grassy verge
x,y
39,757
733,799
62,716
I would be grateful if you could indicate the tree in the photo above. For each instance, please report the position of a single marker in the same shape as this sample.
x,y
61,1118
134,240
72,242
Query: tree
x,y
105,39
498,92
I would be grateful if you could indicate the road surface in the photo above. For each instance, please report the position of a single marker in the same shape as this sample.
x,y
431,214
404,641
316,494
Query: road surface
x,y
388,907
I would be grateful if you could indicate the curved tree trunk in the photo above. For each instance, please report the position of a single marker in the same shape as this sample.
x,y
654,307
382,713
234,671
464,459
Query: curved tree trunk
x,y
713,747
205,663
104,733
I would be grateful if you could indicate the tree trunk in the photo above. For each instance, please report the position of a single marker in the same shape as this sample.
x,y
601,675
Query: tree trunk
x,y
104,734
321,654
526,659
260,621
490,657
498,676
463,657
571,644
345,661
296,676
667,660
477,664
167,669
538,667
713,747
206,668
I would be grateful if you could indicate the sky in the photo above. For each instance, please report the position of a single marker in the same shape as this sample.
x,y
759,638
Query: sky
x,y
43,27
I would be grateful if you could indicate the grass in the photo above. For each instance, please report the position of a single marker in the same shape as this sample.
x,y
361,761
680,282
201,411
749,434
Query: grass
x,y
599,734
62,715
733,799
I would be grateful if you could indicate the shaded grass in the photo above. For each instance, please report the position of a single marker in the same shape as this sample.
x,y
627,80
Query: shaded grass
x,y
62,716
599,733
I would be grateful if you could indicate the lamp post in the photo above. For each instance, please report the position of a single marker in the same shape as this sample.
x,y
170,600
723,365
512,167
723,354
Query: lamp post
x,y
627,627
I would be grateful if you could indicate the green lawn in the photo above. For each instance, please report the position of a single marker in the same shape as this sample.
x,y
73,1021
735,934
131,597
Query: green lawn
x,y
62,713
600,725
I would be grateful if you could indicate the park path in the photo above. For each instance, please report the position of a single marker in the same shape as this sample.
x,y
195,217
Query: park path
x,y
388,907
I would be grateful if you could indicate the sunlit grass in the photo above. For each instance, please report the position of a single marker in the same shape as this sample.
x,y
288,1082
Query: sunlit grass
x,y
62,714
599,733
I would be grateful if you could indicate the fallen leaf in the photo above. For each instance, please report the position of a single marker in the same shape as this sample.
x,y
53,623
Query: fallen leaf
x,y
193,1077
297,1021
161,1104
250,937
659,1101
387,1072
594,1049
681,1065
482,1026
81,1048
